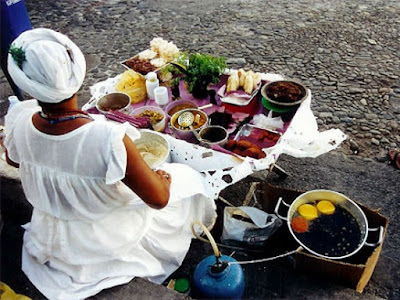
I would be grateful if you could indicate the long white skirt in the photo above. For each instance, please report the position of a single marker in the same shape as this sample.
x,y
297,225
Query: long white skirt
x,y
81,258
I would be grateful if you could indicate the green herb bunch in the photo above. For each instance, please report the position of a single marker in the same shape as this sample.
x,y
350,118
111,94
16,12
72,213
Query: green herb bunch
x,y
199,70
17,54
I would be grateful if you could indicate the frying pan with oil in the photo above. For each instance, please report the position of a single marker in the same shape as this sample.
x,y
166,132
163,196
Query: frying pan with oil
x,y
349,209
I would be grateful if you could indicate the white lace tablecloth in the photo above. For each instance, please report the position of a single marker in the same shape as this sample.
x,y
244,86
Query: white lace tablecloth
x,y
301,139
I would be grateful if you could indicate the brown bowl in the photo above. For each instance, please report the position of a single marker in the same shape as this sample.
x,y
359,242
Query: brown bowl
x,y
114,101
284,92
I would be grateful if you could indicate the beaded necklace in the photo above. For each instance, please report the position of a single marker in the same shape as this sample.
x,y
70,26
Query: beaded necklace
x,y
58,117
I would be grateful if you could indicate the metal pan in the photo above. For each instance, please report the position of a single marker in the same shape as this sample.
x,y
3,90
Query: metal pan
x,y
332,236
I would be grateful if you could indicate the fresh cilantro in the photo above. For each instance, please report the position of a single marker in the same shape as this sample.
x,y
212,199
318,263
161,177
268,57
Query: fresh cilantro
x,y
17,54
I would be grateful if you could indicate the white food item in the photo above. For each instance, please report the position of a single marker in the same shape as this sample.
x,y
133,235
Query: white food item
x,y
152,151
164,49
156,43
158,62
168,51
147,54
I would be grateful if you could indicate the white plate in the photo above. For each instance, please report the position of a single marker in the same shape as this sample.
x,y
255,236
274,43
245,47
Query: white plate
x,y
235,100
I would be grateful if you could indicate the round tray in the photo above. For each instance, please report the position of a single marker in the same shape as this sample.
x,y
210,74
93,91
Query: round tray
x,y
276,102
275,108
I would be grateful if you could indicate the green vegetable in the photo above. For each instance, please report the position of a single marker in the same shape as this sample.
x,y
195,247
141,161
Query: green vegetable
x,y
17,54
198,71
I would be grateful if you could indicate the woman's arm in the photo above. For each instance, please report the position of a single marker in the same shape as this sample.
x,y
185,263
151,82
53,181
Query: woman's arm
x,y
151,186
8,160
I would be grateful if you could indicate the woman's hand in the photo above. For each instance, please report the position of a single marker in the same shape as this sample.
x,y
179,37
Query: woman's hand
x,y
164,176
151,186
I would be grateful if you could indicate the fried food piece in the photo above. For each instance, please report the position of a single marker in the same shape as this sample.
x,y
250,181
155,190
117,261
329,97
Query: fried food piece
x,y
308,211
231,144
261,136
248,83
243,144
326,207
256,80
299,224
242,76
233,82
252,152
237,151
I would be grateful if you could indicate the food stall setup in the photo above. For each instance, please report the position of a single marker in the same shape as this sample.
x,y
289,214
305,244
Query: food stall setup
x,y
225,123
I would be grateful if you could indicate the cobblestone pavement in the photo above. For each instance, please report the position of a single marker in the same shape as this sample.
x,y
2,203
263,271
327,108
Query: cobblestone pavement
x,y
347,52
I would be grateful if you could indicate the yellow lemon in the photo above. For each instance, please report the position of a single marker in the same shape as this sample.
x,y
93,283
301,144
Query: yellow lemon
x,y
326,207
308,211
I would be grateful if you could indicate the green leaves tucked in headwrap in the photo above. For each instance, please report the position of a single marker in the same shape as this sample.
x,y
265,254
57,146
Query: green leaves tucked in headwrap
x,y
17,54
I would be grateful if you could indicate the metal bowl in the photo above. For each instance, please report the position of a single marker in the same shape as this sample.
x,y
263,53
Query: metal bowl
x,y
281,92
213,135
153,147
114,101
186,133
354,213
174,106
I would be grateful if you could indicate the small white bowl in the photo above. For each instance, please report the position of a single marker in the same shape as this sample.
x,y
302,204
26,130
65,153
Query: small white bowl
x,y
159,126
153,147
114,101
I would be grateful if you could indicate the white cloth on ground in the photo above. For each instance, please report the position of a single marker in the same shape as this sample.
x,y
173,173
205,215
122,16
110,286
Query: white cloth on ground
x,y
89,231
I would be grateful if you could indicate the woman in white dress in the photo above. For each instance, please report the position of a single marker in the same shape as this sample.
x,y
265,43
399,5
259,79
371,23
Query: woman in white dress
x,y
101,216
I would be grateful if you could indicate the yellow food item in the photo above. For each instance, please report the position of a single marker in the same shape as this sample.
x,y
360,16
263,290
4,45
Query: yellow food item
x,y
256,80
308,211
233,82
134,84
248,82
326,207
242,75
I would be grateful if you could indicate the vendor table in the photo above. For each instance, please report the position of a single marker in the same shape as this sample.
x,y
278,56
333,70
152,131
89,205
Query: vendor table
x,y
300,138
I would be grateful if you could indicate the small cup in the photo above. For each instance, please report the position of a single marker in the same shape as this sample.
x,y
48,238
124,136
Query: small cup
x,y
161,96
213,135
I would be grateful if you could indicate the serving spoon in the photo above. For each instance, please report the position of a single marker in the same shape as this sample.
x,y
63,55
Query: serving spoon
x,y
186,119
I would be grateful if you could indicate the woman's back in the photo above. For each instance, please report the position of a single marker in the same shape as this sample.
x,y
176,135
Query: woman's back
x,y
88,161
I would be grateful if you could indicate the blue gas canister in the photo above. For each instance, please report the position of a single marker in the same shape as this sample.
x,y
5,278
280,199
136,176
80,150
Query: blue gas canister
x,y
214,277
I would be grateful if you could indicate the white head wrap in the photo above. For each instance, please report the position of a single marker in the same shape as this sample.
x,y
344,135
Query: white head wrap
x,y
54,67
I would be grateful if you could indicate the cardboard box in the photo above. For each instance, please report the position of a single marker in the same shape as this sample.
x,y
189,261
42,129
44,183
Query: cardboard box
x,y
354,271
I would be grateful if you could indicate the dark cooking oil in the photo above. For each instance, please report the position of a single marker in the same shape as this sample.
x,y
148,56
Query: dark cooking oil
x,y
332,235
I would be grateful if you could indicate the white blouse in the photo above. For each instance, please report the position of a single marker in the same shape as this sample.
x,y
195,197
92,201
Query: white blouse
x,y
89,231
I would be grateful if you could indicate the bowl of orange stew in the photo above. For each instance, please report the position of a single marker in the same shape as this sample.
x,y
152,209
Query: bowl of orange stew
x,y
185,133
